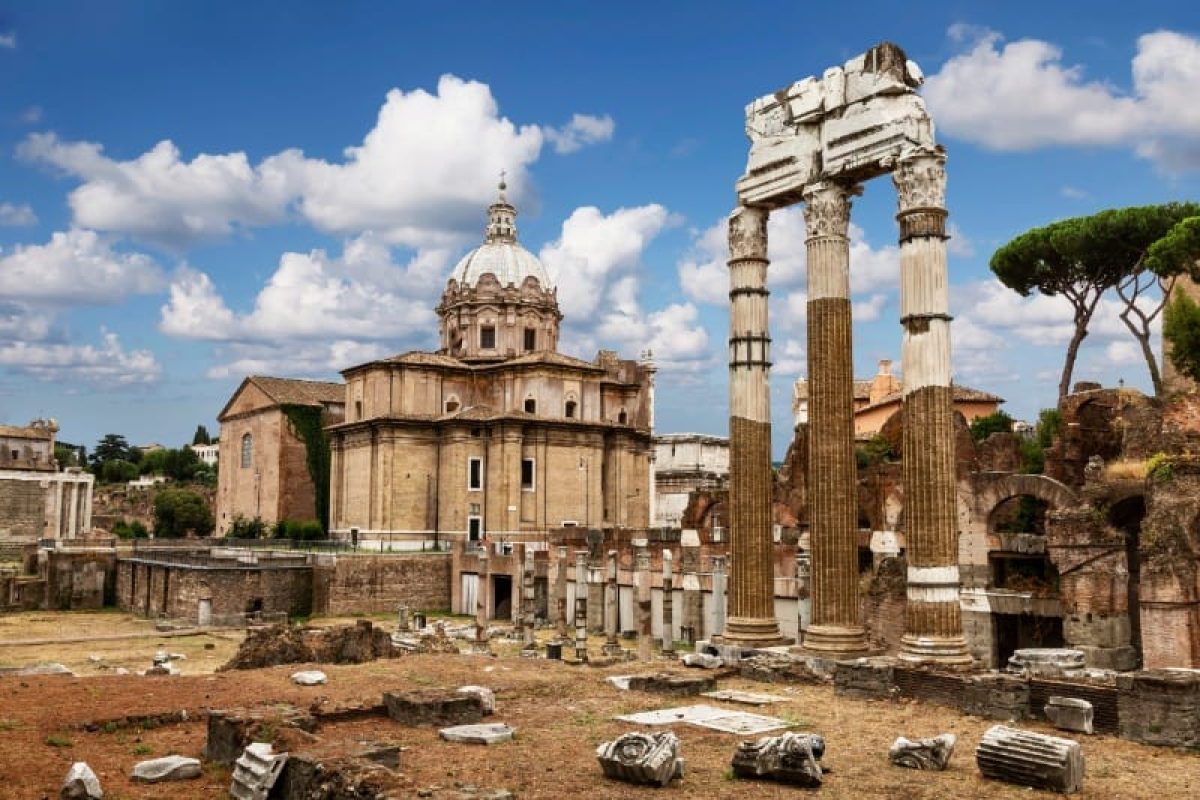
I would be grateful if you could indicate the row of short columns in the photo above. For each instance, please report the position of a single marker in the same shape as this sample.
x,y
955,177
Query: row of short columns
x,y
933,623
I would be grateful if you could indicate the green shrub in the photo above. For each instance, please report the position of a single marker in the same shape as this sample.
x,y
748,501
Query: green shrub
x,y
178,512
243,528
1159,468
130,530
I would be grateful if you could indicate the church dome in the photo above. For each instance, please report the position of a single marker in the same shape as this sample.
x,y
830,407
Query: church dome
x,y
500,254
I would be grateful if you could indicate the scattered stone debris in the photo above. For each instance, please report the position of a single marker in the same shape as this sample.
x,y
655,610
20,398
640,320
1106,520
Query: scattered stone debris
x,y
1047,662
702,660
745,698
491,733
36,669
433,707
81,783
766,667
167,768
931,754
673,684
287,644
311,777
312,677
487,698
229,732
1030,759
789,758
712,717
255,773
1069,714
638,757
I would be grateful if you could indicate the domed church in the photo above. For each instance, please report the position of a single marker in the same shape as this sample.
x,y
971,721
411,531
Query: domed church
x,y
496,433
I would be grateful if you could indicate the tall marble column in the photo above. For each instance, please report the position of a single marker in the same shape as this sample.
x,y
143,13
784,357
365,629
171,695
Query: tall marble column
x,y
751,621
836,628
933,619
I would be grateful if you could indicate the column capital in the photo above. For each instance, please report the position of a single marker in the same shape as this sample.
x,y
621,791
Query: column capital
x,y
748,233
920,180
827,208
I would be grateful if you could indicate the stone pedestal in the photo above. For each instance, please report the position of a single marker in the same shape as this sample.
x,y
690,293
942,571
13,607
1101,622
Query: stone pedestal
x,y
933,630
836,630
751,620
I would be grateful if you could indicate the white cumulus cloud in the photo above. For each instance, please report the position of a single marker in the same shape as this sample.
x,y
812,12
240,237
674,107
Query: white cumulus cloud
x,y
106,364
76,267
582,130
16,216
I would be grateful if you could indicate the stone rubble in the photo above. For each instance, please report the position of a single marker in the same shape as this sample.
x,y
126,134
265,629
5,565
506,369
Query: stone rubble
x,y
931,754
81,783
644,758
788,758
703,660
487,698
492,733
167,768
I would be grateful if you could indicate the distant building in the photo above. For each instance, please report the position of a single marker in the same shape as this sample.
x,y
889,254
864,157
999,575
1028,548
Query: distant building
x,y
264,459
496,433
684,463
877,399
207,453
36,500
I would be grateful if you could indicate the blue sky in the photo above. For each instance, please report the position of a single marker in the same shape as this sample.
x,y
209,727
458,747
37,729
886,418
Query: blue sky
x,y
190,192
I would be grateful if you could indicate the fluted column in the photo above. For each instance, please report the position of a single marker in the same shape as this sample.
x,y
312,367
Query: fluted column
x,y
836,628
933,618
751,621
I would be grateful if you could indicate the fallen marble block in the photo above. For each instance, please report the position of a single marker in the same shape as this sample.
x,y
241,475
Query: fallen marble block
x,y
81,783
650,758
312,677
788,758
1030,759
923,753
478,734
1069,714
487,698
703,660
168,768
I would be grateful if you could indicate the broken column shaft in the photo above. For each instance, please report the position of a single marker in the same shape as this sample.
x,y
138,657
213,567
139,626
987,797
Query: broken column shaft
x,y
581,603
836,629
612,608
641,581
751,621
933,617
668,605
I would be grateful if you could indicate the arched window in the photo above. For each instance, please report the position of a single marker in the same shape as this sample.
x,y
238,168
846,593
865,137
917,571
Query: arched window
x,y
571,407
622,418
247,449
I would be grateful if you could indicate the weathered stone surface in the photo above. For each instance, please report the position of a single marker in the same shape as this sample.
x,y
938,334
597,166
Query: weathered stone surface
x,y
229,731
312,677
776,668
789,758
651,758
1030,759
745,698
933,753
1069,714
255,773
487,698
1047,662
703,660
996,697
433,707
864,678
167,768
492,733
672,684
1160,706
81,783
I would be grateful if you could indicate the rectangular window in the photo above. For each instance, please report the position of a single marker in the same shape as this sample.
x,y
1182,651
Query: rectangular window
x,y
530,339
358,409
474,529
487,337
527,479
475,474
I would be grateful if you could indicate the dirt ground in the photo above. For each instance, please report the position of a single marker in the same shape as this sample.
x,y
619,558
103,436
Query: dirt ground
x,y
561,712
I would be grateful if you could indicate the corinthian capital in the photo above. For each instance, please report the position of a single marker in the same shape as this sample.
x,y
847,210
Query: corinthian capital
x,y
827,209
920,181
748,233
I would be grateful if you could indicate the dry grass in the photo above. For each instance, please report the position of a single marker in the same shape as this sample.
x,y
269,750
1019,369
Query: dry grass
x,y
1125,469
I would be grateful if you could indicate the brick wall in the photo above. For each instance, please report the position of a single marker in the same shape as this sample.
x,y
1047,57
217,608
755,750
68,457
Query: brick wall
x,y
374,584
158,589
79,580
22,508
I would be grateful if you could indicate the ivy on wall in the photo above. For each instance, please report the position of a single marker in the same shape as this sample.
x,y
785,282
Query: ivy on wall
x,y
308,424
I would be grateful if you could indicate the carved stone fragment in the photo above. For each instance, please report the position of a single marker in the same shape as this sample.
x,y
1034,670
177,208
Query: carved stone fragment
x,y
1030,759
651,758
789,758
1069,714
931,753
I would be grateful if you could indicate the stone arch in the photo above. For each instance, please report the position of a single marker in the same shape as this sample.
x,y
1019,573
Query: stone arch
x,y
992,489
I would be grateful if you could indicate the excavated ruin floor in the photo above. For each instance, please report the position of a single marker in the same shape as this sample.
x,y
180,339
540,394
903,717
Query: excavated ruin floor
x,y
561,713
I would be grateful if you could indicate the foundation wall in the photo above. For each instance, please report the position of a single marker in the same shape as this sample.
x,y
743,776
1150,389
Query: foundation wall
x,y
375,584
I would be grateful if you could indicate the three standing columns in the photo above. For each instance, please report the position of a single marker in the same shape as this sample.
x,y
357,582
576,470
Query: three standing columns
x,y
933,616
836,629
751,621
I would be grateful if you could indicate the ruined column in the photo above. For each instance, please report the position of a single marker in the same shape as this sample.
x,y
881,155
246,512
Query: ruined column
x,y
691,628
803,591
752,620
581,603
481,595
933,618
668,606
836,628
559,608
718,595
641,580
529,640
611,608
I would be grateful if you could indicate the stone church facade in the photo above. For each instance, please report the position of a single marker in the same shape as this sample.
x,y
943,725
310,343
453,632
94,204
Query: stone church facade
x,y
496,434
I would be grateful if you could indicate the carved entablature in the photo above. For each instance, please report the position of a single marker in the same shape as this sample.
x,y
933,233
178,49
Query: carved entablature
x,y
851,124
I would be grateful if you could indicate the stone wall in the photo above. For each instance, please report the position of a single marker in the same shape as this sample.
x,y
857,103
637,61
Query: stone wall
x,y
80,579
174,591
24,508
352,584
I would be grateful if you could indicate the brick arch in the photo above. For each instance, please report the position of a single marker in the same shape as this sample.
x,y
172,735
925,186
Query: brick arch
x,y
993,490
